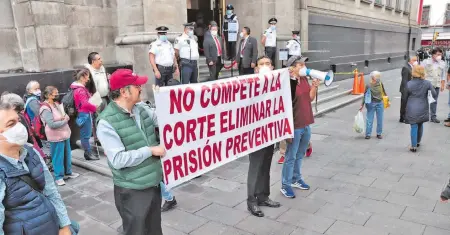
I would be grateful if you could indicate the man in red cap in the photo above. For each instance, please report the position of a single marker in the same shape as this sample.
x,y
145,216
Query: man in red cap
x,y
126,131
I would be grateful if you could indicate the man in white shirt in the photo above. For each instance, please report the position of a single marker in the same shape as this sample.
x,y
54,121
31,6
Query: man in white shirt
x,y
162,58
99,76
436,74
186,48
269,40
294,45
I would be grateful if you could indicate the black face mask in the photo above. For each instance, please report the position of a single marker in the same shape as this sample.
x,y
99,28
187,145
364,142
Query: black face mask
x,y
57,98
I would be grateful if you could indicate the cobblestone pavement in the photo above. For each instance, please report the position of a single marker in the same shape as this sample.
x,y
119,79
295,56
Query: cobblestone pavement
x,y
358,186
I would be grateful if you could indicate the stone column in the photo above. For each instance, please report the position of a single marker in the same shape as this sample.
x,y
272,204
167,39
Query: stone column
x,y
43,34
137,20
304,23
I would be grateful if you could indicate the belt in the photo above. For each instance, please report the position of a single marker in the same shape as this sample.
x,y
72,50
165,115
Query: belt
x,y
165,67
188,60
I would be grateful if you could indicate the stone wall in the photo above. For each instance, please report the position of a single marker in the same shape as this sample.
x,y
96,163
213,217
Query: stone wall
x,y
59,34
9,46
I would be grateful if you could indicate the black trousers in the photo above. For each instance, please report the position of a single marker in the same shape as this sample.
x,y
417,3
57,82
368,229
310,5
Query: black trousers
x,y
403,106
140,210
166,75
271,52
214,69
245,71
258,181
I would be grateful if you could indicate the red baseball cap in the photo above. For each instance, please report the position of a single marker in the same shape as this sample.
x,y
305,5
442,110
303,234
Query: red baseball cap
x,y
125,77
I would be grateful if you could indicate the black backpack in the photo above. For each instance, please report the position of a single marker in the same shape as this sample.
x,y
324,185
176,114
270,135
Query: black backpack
x,y
68,102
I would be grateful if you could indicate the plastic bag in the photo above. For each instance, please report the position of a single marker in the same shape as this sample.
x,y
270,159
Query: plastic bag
x,y
359,124
430,98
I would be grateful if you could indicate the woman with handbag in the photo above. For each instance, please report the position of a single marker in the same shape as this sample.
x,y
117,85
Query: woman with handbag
x,y
58,134
376,101
417,106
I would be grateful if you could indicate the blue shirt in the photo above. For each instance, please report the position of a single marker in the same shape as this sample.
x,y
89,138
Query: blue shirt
x,y
50,190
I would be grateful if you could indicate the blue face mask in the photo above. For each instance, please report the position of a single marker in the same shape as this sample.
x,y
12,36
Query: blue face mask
x,y
229,12
273,27
163,38
190,33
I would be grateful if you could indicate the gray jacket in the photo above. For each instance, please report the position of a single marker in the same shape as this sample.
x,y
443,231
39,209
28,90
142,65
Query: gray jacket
x,y
209,45
250,53
417,110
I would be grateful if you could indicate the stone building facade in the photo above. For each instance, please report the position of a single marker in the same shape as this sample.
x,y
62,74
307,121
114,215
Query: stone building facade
x,y
47,35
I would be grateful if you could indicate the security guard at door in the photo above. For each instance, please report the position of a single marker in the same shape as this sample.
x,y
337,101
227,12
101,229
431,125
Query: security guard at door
x,y
162,58
186,47
230,16
294,45
269,40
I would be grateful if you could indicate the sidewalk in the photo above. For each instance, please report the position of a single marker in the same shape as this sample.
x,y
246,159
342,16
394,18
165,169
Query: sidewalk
x,y
358,186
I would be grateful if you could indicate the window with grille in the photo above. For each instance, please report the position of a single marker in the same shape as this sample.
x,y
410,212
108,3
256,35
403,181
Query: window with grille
x,y
378,3
407,5
425,15
447,14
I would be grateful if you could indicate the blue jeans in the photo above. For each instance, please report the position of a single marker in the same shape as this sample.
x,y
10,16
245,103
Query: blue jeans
x,y
165,193
61,158
433,106
372,108
84,121
416,134
448,105
294,156
74,227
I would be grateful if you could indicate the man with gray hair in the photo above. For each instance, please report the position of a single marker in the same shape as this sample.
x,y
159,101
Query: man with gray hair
x,y
406,77
436,74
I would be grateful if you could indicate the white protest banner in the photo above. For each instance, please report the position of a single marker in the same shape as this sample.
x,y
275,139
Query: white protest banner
x,y
206,125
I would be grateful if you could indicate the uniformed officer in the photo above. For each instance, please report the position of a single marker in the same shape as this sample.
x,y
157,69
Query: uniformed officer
x,y
186,48
269,40
162,58
229,17
294,45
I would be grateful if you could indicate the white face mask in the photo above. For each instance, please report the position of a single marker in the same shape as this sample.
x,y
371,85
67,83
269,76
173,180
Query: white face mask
x,y
17,134
241,35
214,32
37,93
415,63
264,70
438,58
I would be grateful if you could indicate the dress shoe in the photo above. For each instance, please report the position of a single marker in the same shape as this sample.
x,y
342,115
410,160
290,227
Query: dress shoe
x,y
435,120
90,156
402,120
255,210
169,205
269,203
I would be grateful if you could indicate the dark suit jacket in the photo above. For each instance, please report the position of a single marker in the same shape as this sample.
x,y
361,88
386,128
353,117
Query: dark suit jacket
x,y
210,48
406,77
250,54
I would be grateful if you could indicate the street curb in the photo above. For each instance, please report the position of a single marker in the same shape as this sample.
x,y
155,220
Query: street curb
x,y
96,169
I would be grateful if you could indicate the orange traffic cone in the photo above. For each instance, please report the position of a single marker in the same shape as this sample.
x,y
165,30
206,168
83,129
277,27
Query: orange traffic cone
x,y
362,87
355,84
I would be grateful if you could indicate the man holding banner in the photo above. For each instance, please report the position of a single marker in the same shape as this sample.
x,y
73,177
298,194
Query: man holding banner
x,y
127,133
302,95
258,181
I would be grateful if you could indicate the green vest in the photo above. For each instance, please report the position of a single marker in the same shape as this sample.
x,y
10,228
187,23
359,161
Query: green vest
x,y
149,172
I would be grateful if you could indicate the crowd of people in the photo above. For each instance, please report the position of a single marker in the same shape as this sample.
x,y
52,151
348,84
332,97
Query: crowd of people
x,y
35,131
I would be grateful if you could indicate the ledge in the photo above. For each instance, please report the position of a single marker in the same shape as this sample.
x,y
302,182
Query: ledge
x,y
142,38
398,10
378,4
367,1
389,8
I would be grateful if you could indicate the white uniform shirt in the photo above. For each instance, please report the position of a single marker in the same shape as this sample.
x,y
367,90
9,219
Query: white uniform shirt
x,y
187,50
271,37
163,51
294,47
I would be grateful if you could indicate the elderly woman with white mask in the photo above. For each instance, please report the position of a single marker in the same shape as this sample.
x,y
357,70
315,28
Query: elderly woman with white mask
x,y
373,99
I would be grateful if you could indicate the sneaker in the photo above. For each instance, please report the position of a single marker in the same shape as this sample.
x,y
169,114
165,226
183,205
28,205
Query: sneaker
x,y
71,176
301,185
60,182
169,205
281,160
287,192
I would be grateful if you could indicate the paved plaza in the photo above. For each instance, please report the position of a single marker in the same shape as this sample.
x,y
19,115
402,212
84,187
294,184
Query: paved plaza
x,y
358,186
